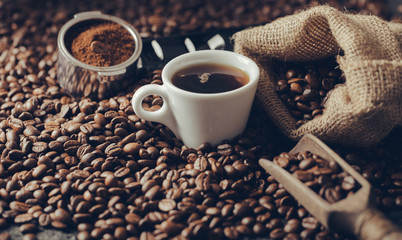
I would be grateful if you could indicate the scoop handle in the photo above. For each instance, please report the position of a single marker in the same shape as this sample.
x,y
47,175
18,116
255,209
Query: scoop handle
x,y
372,224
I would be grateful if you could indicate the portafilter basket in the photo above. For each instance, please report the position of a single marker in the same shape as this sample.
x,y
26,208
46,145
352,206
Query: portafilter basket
x,y
83,80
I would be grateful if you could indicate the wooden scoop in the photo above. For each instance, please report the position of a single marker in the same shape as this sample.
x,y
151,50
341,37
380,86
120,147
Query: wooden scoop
x,y
352,215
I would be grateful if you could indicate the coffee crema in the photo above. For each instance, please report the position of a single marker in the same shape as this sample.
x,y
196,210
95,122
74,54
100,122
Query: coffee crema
x,y
210,78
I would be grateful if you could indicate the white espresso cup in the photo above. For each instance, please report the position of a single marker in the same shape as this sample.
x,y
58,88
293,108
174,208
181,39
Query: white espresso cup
x,y
198,118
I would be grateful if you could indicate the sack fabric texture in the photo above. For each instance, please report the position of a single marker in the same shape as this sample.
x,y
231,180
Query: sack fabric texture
x,y
359,112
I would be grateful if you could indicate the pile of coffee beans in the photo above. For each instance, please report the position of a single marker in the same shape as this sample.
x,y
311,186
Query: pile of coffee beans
x,y
324,177
381,166
304,86
95,169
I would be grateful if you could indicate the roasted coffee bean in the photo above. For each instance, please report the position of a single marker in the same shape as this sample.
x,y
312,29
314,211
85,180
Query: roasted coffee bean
x,y
83,235
61,215
98,47
348,183
241,210
29,236
277,233
310,223
225,149
122,172
292,226
166,205
19,206
332,195
44,220
39,171
120,233
303,176
28,228
39,147
58,225
131,148
23,218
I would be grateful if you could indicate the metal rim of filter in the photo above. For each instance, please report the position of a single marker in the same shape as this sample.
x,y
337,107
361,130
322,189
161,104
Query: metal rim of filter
x,y
96,15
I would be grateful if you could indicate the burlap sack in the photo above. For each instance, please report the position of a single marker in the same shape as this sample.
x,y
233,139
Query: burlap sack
x,y
364,109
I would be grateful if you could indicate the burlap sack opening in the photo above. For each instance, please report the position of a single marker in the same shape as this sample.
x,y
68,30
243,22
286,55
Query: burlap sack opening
x,y
360,112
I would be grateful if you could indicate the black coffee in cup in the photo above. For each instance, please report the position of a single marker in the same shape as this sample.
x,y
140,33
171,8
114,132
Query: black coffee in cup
x,y
210,78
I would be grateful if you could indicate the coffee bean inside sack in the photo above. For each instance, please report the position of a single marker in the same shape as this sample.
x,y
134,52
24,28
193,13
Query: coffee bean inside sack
x,y
326,178
304,86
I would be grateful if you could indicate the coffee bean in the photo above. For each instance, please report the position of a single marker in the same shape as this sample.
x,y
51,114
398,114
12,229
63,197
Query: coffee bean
x,y
111,181
120,233
277,233
348,183
213,211
241,210
201,164
132,218
292,226
28,228
83,235
122,172
225,149
166,205
171,228
146,236
66,187
310,94
22,195
230,232
303,176
19,206
332,195
87,128
312,80
29,236
23,218
327,83
131,148
39,171
61,215
39,147
58,225
296,87
153,193
306,163
98,47
282,161
310,223
44,220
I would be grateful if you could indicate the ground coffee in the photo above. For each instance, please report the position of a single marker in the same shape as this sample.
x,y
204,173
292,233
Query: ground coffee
x,y
103,45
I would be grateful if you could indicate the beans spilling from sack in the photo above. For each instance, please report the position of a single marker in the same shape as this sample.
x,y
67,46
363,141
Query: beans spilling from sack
x,y
304,86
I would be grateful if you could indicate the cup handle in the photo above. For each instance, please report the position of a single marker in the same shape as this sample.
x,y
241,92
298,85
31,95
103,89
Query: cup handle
x,y
163,115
